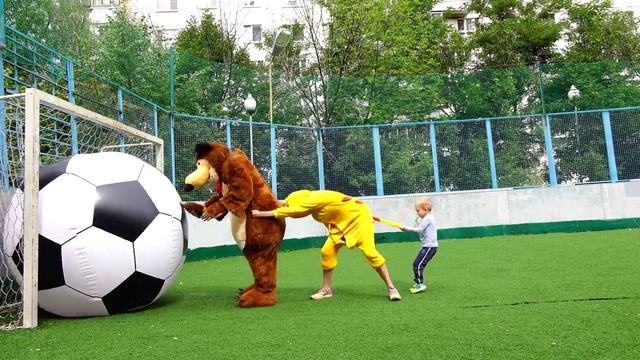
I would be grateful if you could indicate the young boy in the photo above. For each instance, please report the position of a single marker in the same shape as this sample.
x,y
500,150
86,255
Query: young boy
x,y
429,238
349,223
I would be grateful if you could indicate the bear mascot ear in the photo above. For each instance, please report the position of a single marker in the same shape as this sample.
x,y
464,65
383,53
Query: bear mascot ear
x,y
202,149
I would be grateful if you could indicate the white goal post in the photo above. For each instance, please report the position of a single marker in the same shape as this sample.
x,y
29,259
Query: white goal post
x,y
37,129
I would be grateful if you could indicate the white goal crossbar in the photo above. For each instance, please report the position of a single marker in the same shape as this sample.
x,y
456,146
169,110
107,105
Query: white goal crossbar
x,y
40,107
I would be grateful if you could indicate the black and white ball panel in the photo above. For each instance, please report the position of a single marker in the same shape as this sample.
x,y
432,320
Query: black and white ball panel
x,y
65,301
162,239
124,209
50,269
12,225
105,168
161,191
96,261
68,202
51,172
137,291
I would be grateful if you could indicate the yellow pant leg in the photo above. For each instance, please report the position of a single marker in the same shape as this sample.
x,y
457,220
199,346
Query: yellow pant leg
x,y
368,248
329,253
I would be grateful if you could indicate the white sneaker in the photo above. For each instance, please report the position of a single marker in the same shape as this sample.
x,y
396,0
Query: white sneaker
x,y
322,294
394,295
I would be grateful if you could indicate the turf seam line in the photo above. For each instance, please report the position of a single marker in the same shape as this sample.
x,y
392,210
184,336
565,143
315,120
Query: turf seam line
x,y
553,301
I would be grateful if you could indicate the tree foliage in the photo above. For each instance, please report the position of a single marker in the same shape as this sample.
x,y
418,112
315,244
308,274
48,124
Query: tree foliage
x,y
63,25
600,34
131,54
514,32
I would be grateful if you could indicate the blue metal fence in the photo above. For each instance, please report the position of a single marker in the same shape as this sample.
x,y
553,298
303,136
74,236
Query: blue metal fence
x,y
522,151
433,156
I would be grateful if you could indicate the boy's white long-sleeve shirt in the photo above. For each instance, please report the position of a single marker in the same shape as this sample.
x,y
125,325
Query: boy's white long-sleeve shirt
x,y
427,230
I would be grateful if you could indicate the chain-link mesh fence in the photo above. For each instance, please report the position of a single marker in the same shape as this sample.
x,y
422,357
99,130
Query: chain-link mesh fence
x,y
625,126
469,154
12,137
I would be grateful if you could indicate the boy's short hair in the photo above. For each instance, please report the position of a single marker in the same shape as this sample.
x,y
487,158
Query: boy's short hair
x,y
424,203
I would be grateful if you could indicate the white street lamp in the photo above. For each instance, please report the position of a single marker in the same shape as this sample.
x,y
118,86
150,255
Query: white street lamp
x,y
279,43
250,107
573,93
573,96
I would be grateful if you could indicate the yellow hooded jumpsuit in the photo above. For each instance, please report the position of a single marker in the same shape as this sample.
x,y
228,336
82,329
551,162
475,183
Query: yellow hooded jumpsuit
x,y
348,220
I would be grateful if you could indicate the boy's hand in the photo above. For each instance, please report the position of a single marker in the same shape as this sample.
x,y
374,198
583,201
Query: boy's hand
x,y
402,228
258,213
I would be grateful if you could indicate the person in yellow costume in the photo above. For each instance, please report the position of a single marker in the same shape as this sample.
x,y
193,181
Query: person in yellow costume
x,y
349,222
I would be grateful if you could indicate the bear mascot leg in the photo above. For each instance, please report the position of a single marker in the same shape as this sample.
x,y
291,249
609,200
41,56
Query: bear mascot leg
x,y
240,189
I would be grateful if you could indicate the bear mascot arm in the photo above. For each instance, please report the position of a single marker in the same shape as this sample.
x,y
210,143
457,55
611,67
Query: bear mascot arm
x,y
239,189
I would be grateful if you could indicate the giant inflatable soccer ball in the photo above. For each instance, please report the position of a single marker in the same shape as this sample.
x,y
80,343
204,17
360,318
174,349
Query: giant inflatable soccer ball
x,y
112,235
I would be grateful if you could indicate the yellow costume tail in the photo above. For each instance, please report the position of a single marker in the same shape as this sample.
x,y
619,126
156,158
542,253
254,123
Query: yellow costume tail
x,y
388,222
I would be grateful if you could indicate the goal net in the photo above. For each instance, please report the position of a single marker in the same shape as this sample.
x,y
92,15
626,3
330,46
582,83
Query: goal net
x,y
37,129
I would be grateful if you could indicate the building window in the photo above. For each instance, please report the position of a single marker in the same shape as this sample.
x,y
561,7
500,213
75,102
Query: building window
x,y
103,3
167,5
256,32
249,3
292,3
467,25
471,24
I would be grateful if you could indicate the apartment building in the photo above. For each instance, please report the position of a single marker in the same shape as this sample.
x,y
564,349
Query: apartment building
x,y
248,19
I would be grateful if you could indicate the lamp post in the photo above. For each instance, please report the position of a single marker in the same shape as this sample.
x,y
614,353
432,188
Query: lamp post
x,y
573,96
250,107
281,41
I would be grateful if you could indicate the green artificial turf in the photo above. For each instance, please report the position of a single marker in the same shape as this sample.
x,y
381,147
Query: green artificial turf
x,y
552,296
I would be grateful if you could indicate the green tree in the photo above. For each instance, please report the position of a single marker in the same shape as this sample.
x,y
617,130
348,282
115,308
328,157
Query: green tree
x,y
63,25
131,54
600,33
514,32
212,71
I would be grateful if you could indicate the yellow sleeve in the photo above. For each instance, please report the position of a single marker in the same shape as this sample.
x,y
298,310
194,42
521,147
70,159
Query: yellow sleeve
x,y
304,208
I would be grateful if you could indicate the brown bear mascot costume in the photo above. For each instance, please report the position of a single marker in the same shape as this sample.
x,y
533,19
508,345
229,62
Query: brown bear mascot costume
x,y
240,188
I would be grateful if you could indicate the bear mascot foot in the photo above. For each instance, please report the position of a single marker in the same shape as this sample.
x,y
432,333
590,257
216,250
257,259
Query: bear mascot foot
x,y
244,290
256,298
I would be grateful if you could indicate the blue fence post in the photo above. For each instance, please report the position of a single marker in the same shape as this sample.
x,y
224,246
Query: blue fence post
x,y
15,68
553,179
377,159
492,157
611,154
4,164
71,91
434,155
172,109
228,131
172,148
53,71
155,120
120,116
319,149
274,161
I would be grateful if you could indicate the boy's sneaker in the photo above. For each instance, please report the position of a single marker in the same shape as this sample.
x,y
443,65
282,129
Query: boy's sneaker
x,y
418,288
394,295
322,294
